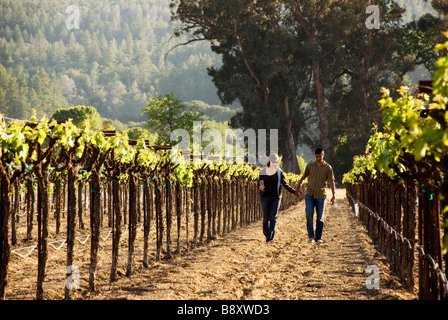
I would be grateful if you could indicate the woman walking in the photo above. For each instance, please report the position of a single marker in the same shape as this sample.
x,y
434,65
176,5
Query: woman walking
x,y
270,181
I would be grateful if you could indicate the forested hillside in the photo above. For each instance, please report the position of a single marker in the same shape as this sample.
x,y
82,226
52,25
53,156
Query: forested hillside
x,y
117,59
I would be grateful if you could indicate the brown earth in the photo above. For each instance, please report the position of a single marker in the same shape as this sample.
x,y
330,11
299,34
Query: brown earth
x,y
239,265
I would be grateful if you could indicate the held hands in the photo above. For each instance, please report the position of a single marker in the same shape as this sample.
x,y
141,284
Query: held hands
x,y
298,193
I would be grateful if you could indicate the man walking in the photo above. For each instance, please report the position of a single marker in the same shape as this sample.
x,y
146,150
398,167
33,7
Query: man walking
x,y
318,173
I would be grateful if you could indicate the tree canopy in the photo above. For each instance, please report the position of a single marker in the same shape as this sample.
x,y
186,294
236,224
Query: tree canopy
x,y
310,68
81,116
167,114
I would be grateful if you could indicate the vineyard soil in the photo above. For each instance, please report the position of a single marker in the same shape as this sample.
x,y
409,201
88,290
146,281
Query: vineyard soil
x,y
239,265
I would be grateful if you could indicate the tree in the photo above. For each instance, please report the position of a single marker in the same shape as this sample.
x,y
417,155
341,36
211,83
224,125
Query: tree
x,y
13,101
135,100
272,52
68,87
40,46
58,53
309,14
44,95
81,116
167,114
262,67
362,61
441,6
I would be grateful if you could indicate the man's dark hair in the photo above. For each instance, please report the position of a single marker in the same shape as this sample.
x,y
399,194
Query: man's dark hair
x,y
318,151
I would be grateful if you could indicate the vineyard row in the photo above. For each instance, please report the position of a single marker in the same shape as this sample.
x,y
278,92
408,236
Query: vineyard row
x,y
171,217
404,218
124,184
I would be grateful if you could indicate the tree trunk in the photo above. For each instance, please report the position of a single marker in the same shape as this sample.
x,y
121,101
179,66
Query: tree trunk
x,y
321,109
290,163
4,218
309,27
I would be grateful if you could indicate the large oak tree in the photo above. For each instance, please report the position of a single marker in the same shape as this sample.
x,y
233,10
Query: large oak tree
x,y
287,60
262,64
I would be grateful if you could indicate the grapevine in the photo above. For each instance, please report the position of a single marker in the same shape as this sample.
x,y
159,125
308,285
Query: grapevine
x,y
58,160
409,155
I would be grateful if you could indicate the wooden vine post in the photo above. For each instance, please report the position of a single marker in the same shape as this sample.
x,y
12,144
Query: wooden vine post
x,y
147,209
169,207
5,210
116,217
72,209
95,166
30,207
179,191
43,209
159,216
132,216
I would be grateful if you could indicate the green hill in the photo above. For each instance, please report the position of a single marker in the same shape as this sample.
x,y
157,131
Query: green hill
x,y
117,59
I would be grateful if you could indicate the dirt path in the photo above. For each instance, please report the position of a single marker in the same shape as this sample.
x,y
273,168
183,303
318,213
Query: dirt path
x,y
241,265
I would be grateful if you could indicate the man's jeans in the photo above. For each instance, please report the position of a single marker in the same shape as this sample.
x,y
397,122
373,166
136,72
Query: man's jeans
x,y
270,207
310,204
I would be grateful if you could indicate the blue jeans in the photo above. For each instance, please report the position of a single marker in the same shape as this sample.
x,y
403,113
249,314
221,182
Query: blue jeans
x,y
270,207
310,204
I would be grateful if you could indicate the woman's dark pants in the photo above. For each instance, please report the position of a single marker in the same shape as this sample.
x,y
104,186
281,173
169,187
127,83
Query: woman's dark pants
x,y
270,207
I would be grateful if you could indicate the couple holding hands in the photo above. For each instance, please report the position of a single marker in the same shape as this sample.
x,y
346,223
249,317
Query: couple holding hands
x,y
272,178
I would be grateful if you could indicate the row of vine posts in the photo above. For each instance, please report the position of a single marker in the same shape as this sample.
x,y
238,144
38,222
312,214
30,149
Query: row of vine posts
x,y
407,216
404,218
148,197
